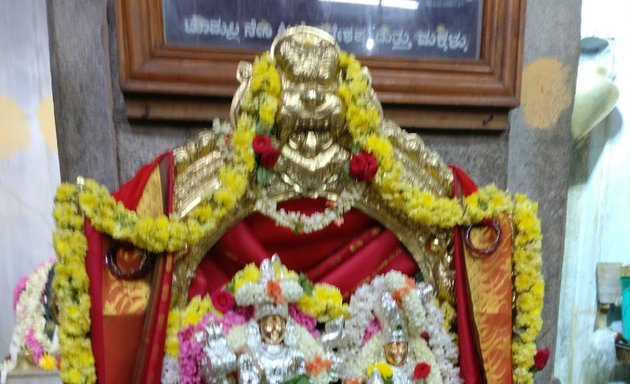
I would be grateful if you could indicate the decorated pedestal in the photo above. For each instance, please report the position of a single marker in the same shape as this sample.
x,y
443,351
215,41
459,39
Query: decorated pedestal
x,y
392,266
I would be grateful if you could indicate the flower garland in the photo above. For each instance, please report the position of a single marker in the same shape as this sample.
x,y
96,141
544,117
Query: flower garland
x,y
71,289
301,223
529,286
423,318
324,302
29,333
258,109
442,344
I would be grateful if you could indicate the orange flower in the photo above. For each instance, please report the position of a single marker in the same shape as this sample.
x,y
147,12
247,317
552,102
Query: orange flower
x,y
402,292
352,381
275,292
317,365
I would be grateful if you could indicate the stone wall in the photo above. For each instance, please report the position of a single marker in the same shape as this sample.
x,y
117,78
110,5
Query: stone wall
x,y
532,157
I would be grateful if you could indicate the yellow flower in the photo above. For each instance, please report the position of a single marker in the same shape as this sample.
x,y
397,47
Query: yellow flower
x,y
48,362
311,306
225,197
249,274
72,376
383,368
192,317
268,111
65,192
379,146
172,346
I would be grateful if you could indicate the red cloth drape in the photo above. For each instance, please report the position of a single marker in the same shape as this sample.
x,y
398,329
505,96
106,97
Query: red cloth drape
x,y
469,359
107,366
345,255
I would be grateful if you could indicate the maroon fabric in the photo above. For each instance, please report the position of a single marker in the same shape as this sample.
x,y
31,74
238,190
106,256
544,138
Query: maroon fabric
x,y
129,194
154,349
469,359
94,270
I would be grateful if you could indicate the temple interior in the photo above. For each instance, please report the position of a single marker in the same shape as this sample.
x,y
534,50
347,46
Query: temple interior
x,y
316,191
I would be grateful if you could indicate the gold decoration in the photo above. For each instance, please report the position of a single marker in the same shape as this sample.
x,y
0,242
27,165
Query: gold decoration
x,y
409,195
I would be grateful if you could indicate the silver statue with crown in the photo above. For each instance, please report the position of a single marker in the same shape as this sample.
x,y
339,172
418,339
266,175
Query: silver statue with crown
x,y
271,354
396,346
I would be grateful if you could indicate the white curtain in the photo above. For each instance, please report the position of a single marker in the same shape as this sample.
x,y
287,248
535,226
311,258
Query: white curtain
x,y
29,164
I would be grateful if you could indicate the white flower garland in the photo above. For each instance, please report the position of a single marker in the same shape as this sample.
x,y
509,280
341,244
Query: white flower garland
x,y
256,293
441,352
411,304
421,352
440,341
357,365
360,313
170,370
29,313
302,223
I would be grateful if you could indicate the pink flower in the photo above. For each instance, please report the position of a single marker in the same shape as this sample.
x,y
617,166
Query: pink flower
x,y
372,329
222,300
247,312
305,320
33,345
19,288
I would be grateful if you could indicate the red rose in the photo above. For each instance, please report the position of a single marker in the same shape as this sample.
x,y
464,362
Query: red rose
x,y
222,300
425,336
371,168
357,165
261,144
269,158
540,358
422,370
363,166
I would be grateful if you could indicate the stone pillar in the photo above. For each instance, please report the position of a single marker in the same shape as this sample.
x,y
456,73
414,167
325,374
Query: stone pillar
x,y
82,90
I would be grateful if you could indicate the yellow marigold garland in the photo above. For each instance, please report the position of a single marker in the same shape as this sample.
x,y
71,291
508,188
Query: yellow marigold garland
x,y
71,285
260,104
529,286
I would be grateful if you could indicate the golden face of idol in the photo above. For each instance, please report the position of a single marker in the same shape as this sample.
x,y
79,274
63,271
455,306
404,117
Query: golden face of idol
x,y
396,352
272,329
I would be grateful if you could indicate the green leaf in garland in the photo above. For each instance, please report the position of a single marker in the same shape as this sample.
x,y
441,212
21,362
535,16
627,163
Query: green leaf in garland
x,y
306,284
262,175
302,379
356,147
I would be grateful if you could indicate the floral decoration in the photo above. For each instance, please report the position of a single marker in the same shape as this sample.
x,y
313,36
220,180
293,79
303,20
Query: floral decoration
x,y
383,369
71,287
266,153
257,116
223,300
529,287
301,223
540,358
324,302
421,370
363,166
30,329
317,365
